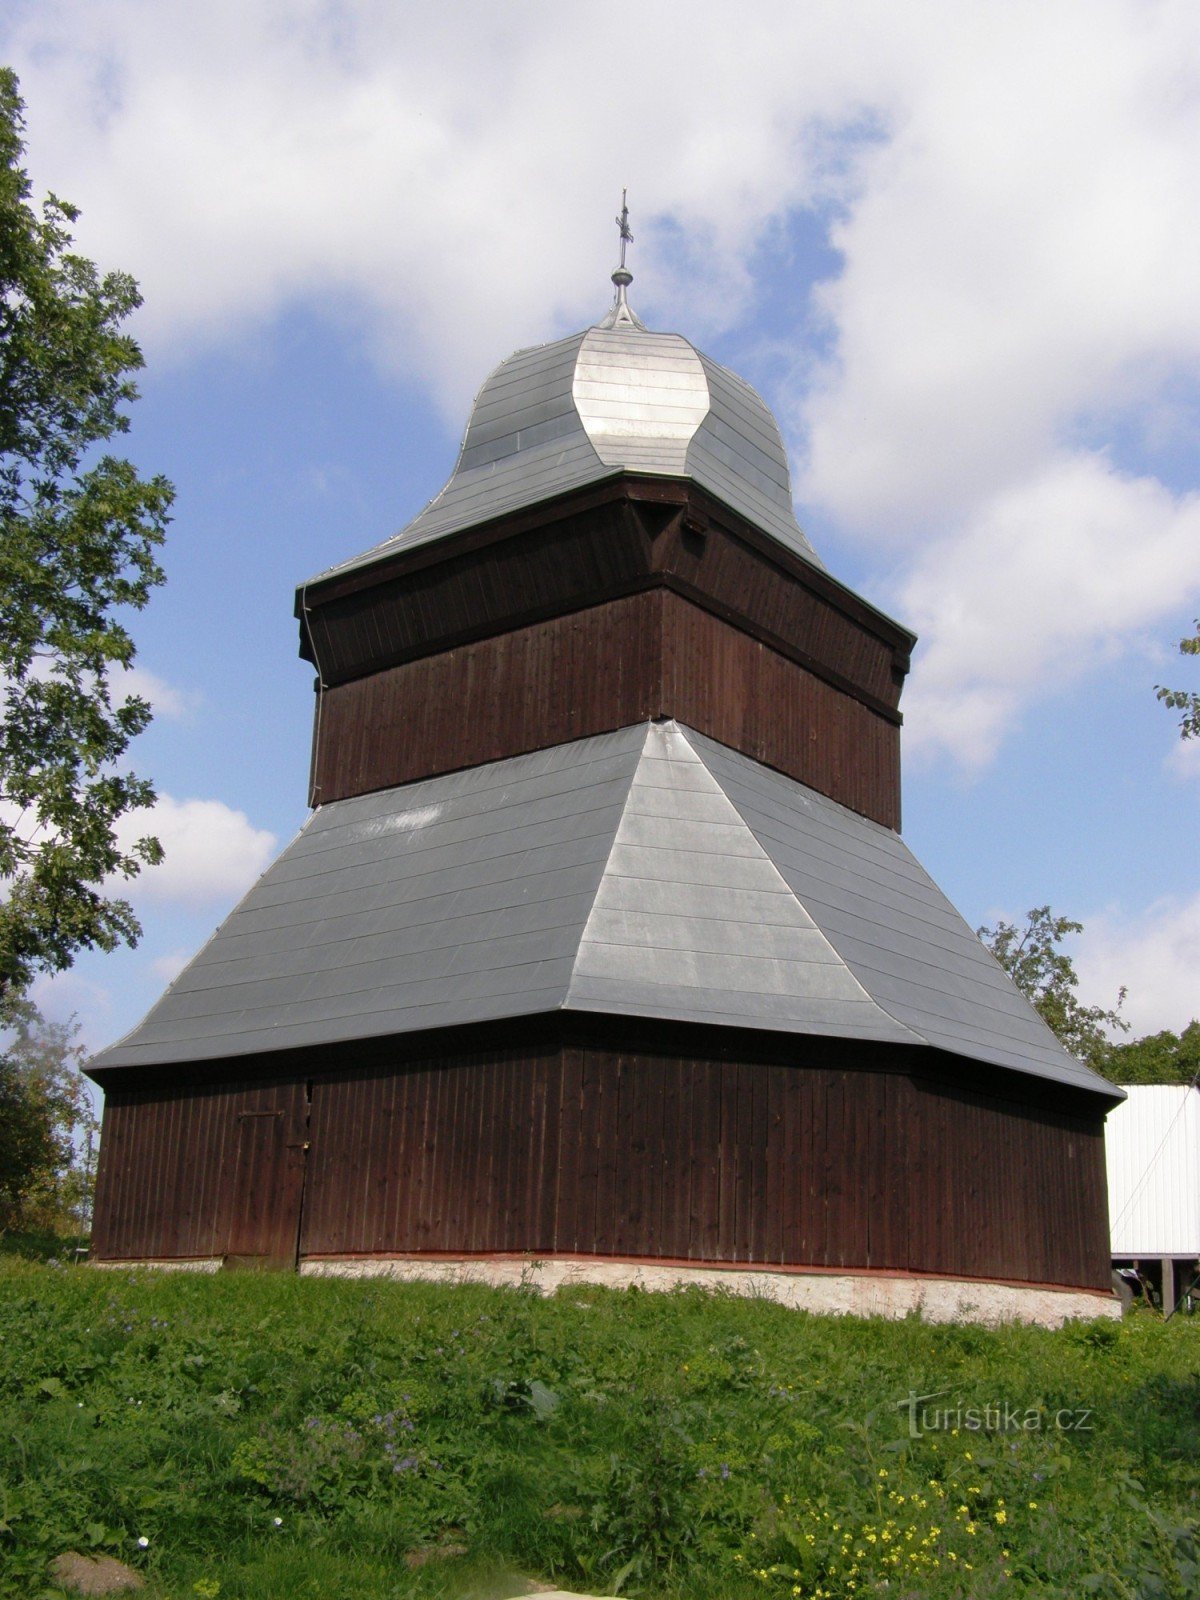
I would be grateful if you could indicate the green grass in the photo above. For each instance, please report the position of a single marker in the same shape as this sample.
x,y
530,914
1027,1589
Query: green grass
x,y
276,1437
63,1249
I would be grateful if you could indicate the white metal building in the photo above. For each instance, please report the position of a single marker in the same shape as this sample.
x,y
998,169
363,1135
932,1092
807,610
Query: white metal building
x,y
1152,1144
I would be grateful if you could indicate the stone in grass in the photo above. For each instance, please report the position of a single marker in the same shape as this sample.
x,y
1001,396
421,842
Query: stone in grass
x,y
433,1552
81,1574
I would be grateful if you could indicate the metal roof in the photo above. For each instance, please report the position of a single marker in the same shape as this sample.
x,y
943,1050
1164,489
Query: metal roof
x,y
1152,1145
647,872
614,398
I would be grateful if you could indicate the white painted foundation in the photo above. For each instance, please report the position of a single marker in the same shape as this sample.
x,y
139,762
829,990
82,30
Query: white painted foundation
x,y
164,1264
831,1293
856,1294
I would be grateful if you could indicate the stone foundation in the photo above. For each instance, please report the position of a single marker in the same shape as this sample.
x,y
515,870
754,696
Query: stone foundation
x,y
830,1293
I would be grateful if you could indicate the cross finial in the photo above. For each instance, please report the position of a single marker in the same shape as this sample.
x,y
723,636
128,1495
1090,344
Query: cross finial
x,y
622,314
623,224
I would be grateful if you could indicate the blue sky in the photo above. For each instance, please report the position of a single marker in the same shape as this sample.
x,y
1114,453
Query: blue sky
x,y
954,246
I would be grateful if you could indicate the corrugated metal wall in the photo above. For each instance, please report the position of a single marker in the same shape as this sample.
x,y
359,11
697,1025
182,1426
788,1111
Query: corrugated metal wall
x,y
603,1152
1153,1145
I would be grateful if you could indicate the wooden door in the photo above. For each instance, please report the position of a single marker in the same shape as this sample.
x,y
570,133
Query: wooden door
x,y
268,1178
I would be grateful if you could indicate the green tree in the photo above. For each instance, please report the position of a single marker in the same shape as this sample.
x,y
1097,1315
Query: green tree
x,y
1158,1058
1185,700
47,1125
79,531
1045,974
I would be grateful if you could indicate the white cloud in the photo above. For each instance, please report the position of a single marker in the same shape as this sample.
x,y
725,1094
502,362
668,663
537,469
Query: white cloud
x,y
1183,760
1154,954
169,967
442,180
210,852
1017,260
1040,583
60,995
165,699
1013,197
71,997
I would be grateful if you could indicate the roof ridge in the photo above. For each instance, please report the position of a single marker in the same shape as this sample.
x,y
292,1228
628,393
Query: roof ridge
x,y
634,928
948,1025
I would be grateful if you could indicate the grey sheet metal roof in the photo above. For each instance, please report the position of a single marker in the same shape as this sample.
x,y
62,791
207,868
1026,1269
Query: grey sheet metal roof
x,y
648,872
614,398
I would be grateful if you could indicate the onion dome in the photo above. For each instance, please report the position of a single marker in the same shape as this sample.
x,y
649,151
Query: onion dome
x,y
613,399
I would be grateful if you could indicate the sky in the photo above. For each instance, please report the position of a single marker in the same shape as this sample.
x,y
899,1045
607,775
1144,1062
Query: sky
x,y
954,245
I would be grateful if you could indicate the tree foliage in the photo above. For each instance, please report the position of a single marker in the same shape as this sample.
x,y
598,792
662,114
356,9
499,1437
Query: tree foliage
x,y
47,1125
1045,974
79,532
1158,1058
1186,701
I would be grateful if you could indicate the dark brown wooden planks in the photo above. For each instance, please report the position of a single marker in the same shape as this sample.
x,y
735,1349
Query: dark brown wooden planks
x,y
616,1149
647,655
538,686
585,548
201,1173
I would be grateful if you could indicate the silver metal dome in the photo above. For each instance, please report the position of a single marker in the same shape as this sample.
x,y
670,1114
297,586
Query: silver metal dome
x,y
614,398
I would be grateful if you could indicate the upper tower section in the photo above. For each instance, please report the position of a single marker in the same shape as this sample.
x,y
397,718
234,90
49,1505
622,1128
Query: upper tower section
x,y
616,544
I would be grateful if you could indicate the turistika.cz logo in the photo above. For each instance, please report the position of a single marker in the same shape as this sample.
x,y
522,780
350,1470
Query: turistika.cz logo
x,y
995,1416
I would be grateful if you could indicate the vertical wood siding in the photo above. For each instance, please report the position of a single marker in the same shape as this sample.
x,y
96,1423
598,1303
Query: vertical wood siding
x,y
443,595
614,1152
198,1173
726,684
529,689
737,582
649,654
370,619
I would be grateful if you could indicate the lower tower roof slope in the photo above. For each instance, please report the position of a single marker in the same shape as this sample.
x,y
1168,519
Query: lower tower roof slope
x,y
648,872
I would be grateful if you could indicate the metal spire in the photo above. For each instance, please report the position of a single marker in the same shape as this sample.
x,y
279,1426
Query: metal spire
x,y
622,315
622,223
